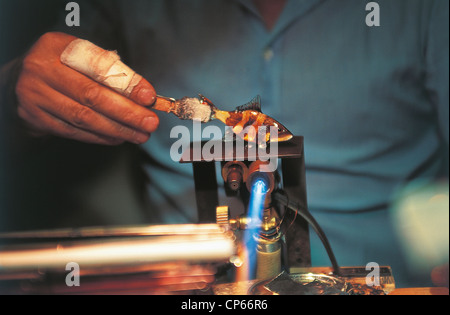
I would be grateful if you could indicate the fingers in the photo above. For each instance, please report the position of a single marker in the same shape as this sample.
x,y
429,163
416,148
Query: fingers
x,y
48,111
105,67
42,123
143,93
55,99
103,100
80,117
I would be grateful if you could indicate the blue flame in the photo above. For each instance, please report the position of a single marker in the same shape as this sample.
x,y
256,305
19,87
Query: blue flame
x,y
255,214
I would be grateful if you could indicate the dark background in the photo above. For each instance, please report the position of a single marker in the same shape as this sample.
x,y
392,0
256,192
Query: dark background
x,y
23,21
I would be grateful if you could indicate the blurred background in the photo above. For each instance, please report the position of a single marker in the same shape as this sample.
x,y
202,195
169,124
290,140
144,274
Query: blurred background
x,y
22,22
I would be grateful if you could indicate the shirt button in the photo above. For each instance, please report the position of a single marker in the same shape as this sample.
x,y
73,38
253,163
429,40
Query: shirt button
x,y
268,54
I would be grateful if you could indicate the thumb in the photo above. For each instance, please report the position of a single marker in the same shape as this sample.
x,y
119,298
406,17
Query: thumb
x,y
143,93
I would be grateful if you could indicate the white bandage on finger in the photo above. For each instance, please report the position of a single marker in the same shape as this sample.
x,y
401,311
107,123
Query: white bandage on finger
x,y
101,65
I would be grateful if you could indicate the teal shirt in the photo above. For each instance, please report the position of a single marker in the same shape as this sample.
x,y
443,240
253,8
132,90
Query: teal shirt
x,y
371,102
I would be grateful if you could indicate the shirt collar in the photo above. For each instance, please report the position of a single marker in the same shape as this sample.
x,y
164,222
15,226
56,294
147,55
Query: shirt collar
x,y
293,10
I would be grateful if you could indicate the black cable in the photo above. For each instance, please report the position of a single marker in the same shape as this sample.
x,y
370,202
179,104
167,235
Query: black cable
x,y
305,214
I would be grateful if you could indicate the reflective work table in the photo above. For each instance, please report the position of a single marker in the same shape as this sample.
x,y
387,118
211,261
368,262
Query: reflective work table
x,y
352,275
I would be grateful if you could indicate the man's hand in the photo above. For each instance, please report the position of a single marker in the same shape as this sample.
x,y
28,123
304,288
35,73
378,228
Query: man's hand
x,y
54,99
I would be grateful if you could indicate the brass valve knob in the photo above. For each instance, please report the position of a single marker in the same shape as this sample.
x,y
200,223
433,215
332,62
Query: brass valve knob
x,y
234,174
223,216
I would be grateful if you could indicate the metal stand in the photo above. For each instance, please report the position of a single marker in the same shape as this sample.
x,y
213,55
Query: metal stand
x,y
291,154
